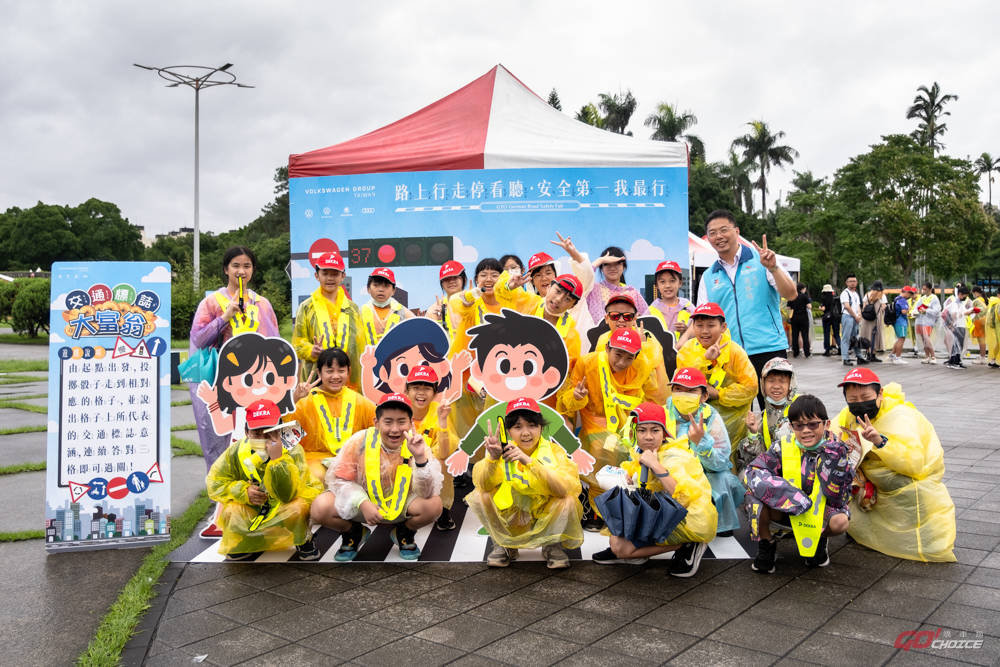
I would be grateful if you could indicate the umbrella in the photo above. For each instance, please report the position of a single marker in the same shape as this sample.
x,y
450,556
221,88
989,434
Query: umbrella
x,y
640,515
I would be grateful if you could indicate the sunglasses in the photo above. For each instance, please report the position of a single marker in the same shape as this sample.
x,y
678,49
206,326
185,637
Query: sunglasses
x,y
812,426
624,317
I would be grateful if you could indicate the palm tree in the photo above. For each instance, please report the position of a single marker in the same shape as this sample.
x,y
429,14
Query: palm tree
x,y
929,107
589,114
985,166
761,147
617,110
736,176
668,125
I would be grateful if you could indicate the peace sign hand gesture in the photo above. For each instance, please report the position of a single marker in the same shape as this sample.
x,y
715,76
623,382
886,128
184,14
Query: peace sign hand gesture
x,y
443,410
517,279
580,391
567,245
869,432
416,444
767,257
302,389
697,429
434,312
492,442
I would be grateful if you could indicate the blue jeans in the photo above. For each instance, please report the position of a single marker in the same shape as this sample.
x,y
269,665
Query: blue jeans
x,y
849,327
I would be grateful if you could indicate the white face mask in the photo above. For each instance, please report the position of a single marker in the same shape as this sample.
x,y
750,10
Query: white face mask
x,y
776,403
382,304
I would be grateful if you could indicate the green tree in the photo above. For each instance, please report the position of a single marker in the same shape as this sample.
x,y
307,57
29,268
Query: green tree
x,y
104,235
669,125
928,107
36,237
707,192
985,166
589,114
618,110
30,313
911,208
761,147
554,100
736,177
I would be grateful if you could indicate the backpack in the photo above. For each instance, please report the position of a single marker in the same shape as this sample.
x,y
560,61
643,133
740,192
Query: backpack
x,y
891,313
868,313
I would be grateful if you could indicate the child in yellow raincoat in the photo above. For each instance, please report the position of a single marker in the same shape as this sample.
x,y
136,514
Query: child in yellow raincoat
x,y
264,490
329,319
977,324
526,490
329,411
603,388
992,328
913,515
622,312
676,470
433,420
731,376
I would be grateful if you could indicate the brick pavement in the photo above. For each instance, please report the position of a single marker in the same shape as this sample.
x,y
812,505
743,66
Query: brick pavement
x,y
848,613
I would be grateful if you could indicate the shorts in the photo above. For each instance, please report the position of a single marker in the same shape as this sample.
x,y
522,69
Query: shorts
x,y
924,330
901,328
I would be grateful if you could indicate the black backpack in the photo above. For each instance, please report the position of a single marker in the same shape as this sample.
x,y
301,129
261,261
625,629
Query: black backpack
x,y
890,314
868,313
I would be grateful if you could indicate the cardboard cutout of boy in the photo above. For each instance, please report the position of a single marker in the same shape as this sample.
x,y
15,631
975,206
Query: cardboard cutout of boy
x,y
251,368
518,356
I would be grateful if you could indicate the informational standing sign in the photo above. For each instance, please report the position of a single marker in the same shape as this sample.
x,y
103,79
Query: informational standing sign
x,y
108,473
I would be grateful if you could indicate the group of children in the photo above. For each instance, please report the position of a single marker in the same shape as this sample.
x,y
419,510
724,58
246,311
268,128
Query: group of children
x,y
350,464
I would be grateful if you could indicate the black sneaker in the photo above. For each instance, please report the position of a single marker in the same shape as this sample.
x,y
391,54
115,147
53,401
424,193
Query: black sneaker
x,y
445,522
608,557
591,522
403,537
992,365
847,362
724,533
862,361
875,359
244,556
352,542
766,554
687,559
822,557
826,354
308,551
461,481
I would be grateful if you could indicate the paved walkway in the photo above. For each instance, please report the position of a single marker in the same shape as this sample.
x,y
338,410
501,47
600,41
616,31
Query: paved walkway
x,y
849,613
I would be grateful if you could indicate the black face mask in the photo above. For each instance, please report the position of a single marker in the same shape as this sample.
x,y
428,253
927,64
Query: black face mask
x,y
864,408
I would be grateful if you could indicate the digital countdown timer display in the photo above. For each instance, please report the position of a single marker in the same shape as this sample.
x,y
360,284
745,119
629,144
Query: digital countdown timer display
x,y
418,251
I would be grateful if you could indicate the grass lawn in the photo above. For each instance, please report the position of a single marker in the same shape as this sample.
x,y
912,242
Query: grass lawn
x,y
19,535
23,365
18,339
21,467
21,379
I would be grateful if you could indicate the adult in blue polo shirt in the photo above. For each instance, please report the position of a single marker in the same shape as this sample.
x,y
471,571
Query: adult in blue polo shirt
x,y
747,283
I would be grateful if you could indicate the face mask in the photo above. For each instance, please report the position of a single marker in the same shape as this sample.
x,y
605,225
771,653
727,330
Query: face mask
x,y
863,408
382,304
776,403
686,404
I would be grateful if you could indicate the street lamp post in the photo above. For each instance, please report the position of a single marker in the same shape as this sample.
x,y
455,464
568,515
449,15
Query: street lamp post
x,y
196,77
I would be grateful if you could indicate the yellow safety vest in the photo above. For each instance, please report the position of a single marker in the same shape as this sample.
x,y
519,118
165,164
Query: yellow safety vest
x,y
336,430
808,526
332,337
563,324
392,503
718,374
706,412
245,322
767,434
246,453
368,317
613,401
683,316
514,471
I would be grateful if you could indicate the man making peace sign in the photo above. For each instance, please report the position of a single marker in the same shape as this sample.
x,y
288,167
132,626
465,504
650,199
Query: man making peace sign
x,y
747,283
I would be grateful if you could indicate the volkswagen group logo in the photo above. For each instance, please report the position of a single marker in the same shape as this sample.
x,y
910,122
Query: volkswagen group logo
x,y
309,213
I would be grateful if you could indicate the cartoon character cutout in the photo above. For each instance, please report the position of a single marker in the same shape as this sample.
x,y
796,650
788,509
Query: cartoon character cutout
x,y
518,356
251,368
417,341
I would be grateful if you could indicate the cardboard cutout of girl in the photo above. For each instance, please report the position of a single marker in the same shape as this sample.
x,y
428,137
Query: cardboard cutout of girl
x,y
518,356
251,368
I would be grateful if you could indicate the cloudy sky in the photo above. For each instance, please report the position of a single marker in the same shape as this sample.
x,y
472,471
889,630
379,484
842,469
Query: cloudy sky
x,y
78,121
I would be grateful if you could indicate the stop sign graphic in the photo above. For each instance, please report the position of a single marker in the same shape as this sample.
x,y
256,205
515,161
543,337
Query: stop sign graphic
x,y
320,248
117,488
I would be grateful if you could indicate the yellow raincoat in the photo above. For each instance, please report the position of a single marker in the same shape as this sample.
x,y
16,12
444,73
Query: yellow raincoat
x,y
913,516
314,443
307,327
430,428
992,329
651,357
630,384
738,388
693,491
547,512
288,483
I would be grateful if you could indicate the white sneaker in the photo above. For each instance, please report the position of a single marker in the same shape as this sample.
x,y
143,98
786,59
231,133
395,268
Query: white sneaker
x,y
979,361
900,361
933,360
925,360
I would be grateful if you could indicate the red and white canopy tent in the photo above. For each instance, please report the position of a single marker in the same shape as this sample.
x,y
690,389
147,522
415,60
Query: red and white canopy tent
x,y
495,122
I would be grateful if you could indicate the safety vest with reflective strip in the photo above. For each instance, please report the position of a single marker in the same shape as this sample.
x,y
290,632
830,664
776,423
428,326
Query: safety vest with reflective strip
x,y
331,337
336,429
244,322
808,526
392,503
368,317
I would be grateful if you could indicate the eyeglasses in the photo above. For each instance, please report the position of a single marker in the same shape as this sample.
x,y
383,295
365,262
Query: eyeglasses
x,y
718,232
812,426
624,317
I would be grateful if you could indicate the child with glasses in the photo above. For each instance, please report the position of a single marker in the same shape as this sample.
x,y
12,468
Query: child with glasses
x,y
801,484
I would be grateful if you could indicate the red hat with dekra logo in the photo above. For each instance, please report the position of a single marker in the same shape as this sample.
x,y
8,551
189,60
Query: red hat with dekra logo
x,y
538,260
709,310
385,273
396,398
422,374
330,260
860,376
571,284
650,413
449,269
626,339
624,296
529,404
909,288
691,378
667,266
263,414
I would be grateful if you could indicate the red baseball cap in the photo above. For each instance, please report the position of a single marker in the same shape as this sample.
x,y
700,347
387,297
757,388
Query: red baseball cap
x,y
626,339
330,260
571,284
709,310
650,413
860,376
909,288
450,268
529,404
667,266
538,260
263,414
624,296
690,378
422,374
385,273
396,398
